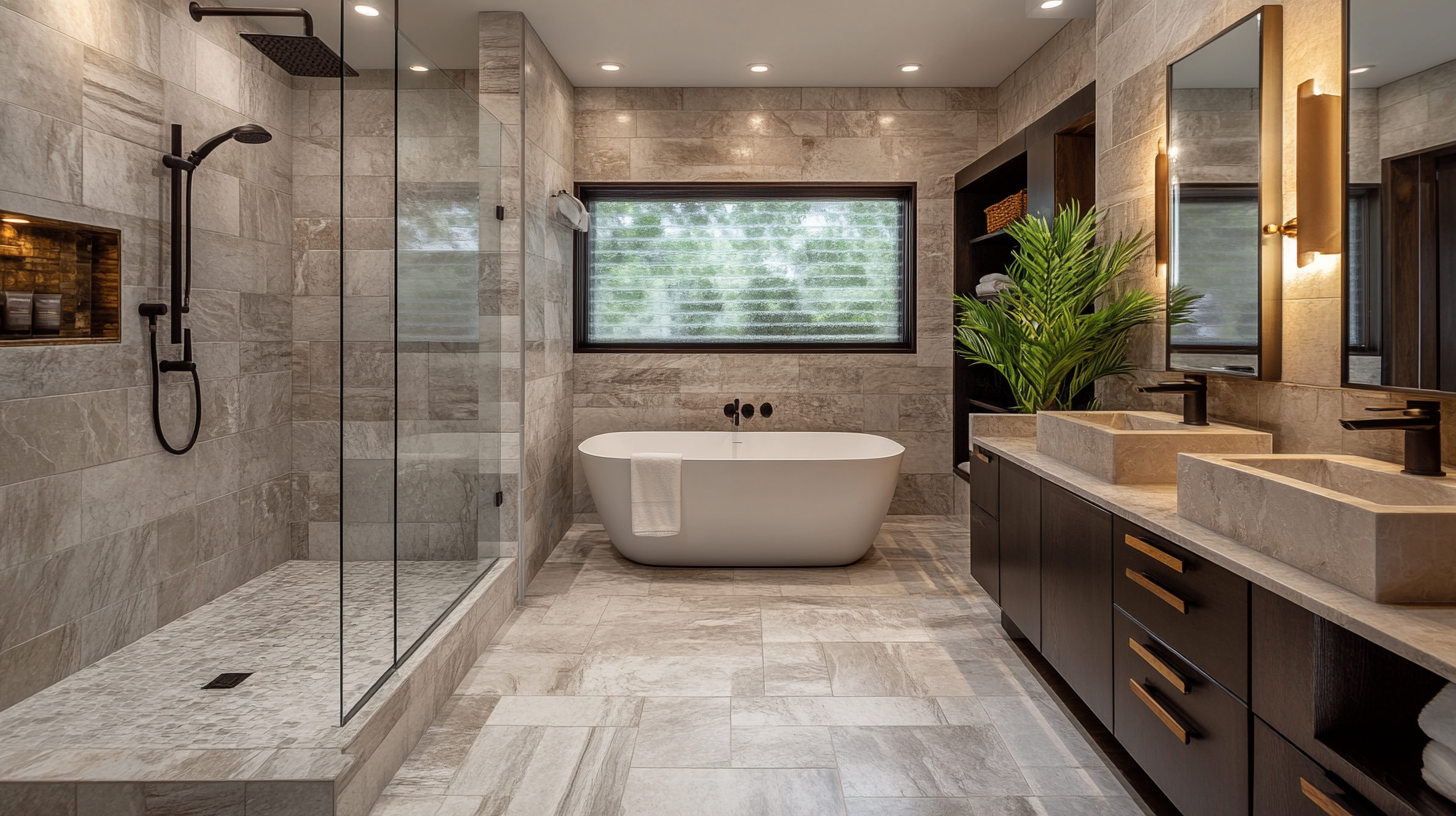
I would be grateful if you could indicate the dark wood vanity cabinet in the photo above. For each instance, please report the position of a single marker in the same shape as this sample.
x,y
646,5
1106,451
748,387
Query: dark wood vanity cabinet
x,y
986,551
1199,609
1076,595
1288,783
1021,560
985,478
1189,734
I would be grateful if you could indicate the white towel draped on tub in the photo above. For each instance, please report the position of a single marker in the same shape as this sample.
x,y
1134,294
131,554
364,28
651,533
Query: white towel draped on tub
x,y
656,494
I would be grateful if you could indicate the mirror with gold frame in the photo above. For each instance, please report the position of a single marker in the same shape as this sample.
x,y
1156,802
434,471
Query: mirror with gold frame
x,y
1219,182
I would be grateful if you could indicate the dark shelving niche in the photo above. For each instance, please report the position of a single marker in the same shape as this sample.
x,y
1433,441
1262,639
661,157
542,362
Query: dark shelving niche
x,y
1054,160
79,262
1366,701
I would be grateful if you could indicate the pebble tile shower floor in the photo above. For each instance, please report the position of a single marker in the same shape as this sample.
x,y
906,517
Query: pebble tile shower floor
x,y
283,626
884,688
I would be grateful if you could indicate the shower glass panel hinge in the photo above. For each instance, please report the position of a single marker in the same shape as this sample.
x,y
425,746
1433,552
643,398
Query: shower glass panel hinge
x,y
500,213
500,498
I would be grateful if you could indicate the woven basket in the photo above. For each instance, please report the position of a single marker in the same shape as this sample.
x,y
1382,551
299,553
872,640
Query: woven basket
x,y
1000,214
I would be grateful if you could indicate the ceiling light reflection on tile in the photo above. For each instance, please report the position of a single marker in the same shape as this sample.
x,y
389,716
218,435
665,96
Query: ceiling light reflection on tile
x,y
420,69
1060,9
367,11
759,67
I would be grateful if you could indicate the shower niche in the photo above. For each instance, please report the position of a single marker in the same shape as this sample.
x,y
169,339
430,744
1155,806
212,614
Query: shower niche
x,y
60,283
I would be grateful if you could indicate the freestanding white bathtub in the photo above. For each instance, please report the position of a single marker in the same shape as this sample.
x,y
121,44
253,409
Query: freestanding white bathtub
x,y
768,500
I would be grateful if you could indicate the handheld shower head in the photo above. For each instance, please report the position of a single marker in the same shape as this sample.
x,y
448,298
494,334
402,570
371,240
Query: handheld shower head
x,y
246,134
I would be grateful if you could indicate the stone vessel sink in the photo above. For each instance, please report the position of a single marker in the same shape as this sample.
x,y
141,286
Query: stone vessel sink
x,y
1355,522
1136,447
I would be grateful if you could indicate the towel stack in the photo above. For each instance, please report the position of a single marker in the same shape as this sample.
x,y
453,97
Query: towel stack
x,y
993,283
1438,720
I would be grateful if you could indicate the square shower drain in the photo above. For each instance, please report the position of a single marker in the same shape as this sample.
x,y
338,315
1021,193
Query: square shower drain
x,y
228,680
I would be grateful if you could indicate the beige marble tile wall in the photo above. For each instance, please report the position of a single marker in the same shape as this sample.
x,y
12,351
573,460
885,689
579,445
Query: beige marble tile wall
x,y
105,537
1057,70
1216,136
812,134
1419,111
1135,41
523,87
547,451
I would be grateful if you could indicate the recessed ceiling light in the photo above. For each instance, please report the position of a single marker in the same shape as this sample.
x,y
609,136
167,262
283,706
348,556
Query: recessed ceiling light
x,y
910,67
10,219
610,66
759,67
1051,4
367,11
1360,69
420,68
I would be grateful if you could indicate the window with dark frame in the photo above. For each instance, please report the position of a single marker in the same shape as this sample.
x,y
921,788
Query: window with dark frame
x,y
746,267
1364,291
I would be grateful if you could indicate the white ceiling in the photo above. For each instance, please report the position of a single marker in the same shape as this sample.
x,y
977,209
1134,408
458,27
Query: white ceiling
x,y
829,43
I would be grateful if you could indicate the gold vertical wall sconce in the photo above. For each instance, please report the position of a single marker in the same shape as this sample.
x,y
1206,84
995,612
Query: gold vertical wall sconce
x,y
1161,211
1317,173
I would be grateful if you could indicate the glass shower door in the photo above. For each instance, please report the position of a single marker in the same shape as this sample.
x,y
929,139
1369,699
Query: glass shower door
x,y
447,342
418,350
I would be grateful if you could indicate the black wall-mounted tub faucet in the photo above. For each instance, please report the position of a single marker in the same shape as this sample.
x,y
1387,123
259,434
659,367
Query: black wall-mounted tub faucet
x,y
1421,421
738,410
1194,388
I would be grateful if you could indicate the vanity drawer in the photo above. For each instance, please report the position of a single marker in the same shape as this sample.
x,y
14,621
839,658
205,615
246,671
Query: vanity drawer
x,y
1199,609
1288,783
1189,735
985,471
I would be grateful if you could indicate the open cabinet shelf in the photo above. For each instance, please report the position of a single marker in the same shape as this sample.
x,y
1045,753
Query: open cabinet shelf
x,y
1054,160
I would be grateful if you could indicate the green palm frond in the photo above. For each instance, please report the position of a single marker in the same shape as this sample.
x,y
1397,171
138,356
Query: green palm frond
x,y
1062,326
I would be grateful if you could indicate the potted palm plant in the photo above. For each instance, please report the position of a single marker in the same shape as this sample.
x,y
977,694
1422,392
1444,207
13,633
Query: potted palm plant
x,y
1062,325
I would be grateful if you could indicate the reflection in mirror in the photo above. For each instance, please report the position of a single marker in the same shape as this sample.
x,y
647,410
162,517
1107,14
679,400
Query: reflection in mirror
x,y
1400,232
1214,173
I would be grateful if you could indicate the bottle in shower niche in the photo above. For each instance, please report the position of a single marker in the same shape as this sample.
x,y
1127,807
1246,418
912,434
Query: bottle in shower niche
x,y
47,319
16,313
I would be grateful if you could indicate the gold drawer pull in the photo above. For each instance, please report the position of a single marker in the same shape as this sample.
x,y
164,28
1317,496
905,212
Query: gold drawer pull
x,y
1157,589
983,457
1158,711
1154,553
1321,799
1158,665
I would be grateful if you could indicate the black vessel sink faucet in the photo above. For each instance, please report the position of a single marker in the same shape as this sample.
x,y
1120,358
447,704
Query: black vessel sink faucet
x,y
1421,421
1194,388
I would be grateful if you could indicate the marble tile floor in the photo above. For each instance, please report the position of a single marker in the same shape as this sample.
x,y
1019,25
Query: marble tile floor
x,y
883,688
283,626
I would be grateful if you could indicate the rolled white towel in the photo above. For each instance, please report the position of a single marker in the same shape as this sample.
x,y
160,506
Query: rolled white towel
x,y
656,494
1439,769
1438,718
997,276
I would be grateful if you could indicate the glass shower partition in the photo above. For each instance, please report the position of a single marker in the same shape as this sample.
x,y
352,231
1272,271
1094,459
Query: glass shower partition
x,y
417,349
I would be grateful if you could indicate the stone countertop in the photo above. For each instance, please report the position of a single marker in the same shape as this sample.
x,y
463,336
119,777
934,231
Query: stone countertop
x,y
1424,635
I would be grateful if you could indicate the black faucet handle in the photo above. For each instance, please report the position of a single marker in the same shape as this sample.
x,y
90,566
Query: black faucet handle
x,y
730,410
765,410
748,411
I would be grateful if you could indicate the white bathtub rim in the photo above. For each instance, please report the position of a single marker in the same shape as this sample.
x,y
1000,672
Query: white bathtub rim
x,y
897,450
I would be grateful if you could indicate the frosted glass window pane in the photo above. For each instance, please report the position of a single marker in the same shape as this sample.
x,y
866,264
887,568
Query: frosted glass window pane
x,y
784,271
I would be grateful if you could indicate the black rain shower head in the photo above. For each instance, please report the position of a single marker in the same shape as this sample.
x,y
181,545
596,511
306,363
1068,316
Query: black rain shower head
x,y
300,56
247,134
